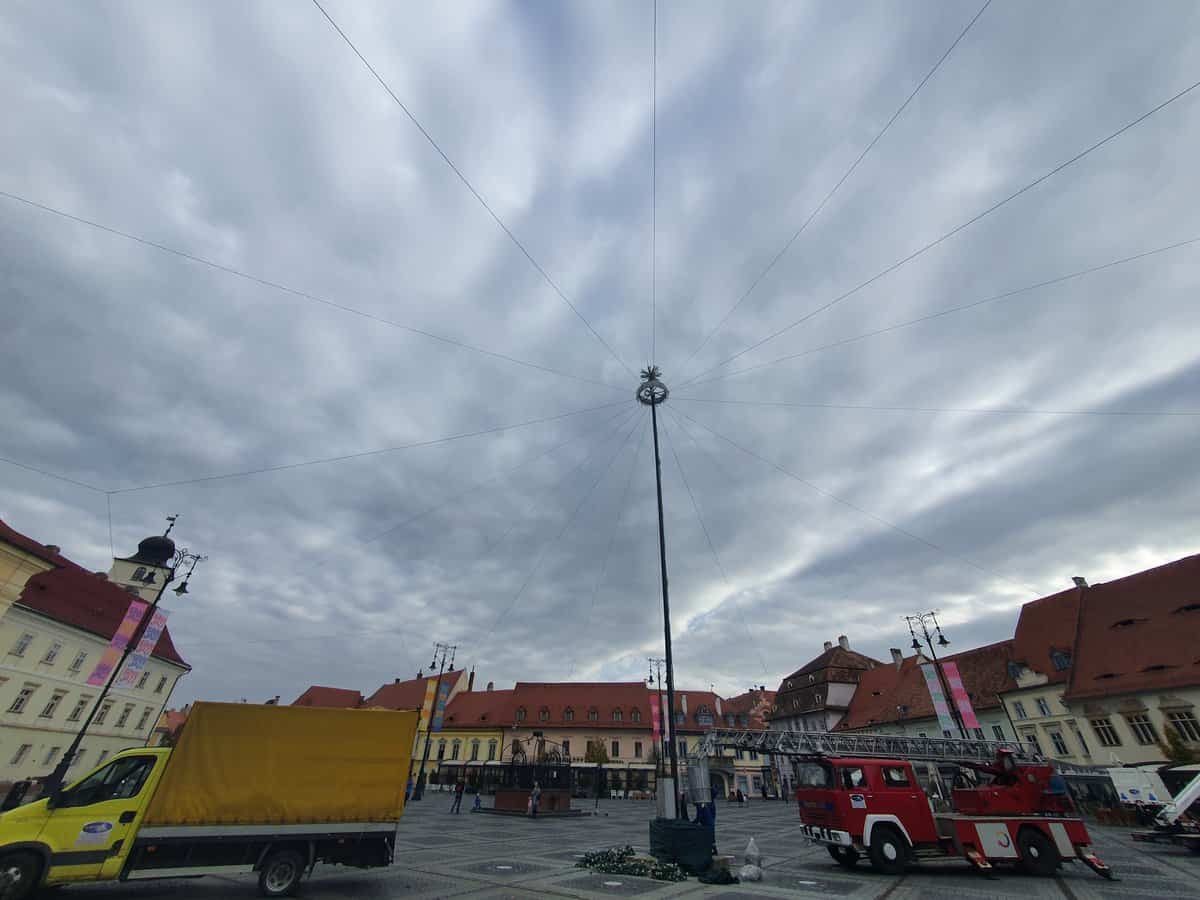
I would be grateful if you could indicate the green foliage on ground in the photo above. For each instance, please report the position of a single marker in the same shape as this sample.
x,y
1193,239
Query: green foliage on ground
x,y
622,861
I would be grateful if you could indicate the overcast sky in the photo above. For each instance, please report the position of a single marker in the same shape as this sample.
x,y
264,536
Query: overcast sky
x,y
250,135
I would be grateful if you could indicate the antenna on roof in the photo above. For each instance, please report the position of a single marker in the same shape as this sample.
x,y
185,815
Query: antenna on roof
x,y
171,520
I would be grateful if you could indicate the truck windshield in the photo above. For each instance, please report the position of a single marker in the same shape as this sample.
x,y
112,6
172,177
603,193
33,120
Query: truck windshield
x,y
119,780
814,775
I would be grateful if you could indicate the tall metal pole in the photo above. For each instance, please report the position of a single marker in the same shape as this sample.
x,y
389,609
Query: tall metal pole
x,y
419,788
662,560
656,668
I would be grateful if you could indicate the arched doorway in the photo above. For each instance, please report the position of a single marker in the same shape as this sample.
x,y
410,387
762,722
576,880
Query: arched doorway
x,y
719,781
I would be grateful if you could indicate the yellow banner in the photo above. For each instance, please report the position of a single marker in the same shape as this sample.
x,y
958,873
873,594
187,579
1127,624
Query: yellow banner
x,y
427,704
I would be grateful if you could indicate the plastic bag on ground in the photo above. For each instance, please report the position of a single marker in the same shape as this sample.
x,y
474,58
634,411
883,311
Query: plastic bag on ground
x,y
753,857
749,873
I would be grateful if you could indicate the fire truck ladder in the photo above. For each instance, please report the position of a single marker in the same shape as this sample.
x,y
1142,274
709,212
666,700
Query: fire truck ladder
x,y
891,746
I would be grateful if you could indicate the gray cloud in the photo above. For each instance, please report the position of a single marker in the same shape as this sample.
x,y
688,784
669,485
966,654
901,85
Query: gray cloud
x,y
254,138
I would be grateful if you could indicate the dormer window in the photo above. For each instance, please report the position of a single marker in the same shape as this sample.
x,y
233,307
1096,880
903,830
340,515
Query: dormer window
x,y
520,714
1159,667
1129,623
635,715
543,714
568,715
617,715
1108,676
1188,608
1061,660
593,715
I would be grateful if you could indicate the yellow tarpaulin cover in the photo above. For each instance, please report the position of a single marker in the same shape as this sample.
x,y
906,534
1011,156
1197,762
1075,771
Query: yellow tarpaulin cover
x,y
239,763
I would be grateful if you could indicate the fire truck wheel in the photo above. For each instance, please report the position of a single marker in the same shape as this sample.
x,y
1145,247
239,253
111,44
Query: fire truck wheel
x,y
845,856
1039,856
888,850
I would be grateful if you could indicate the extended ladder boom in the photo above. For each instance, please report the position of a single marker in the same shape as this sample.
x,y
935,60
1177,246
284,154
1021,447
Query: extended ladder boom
x,y
891,746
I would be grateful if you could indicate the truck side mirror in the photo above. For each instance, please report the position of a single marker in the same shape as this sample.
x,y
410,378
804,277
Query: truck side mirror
x,y
54,800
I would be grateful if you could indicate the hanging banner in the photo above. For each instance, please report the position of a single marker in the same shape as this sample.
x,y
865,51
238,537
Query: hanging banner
x,y
141,653
440,709
958,692
427,703
939,699
120,640
655,721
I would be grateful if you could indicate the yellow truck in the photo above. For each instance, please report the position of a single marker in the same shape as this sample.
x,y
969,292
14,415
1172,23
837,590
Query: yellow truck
x,y
248,789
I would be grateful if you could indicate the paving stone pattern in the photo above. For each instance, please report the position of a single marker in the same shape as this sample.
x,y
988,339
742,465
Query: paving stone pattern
x,y
472,855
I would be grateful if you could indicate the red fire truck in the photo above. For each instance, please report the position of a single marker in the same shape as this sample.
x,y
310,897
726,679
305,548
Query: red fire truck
x,y
862,795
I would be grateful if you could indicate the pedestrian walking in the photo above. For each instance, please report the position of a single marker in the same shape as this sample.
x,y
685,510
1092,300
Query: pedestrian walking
x,y
408,788
459,787
535,797
478,803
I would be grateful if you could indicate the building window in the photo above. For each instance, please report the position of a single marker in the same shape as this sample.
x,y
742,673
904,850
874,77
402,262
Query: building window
x,y
1043,707
593,715
103,757
491,750
1185,725
683,748
454,748
979,734
441,751
998,732
1031,739
922,734
22,645
729,719
124,717
637,749
144,718
617,715
1105,733
566,750
679,718
1143,729
1061,660
754,756
162,683
142,681
76,759
568,715
80,706
635,715
52,653
22,752
1019,710
22,699
475,750
616,750
1060,746
520,714
51,756
739,753
704,716
52,707
543,715
103,714
77,664
1079,737
946,733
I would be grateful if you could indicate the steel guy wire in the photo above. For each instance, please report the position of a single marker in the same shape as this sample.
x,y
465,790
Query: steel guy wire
x,y
850,171
1014,411
949,234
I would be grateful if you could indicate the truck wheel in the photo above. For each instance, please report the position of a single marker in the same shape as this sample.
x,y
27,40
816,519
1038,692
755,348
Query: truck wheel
x,y
280,873
1039,856
888,850
845,856
19,875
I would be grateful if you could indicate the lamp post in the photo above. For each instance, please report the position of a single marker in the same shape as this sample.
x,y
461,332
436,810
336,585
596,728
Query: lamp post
x,y
922,621
655,678
440,652
651,392
176,560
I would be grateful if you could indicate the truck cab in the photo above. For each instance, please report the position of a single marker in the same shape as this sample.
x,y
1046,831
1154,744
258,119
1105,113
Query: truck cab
x,y
84,833
876,807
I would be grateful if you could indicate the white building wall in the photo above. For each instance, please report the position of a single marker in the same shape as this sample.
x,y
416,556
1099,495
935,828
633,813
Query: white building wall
x,y
31,675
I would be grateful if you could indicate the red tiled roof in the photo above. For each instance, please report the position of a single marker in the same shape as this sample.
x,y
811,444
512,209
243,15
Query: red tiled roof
x,y
836,657
29,545
1137,633
480,709
754,704
329,697
77,597
886,694
408,694
581,697
172,720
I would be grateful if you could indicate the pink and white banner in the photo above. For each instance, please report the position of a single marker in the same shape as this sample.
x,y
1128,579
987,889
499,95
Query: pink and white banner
x,y
655,721
939,699
958,692
141,653
120,640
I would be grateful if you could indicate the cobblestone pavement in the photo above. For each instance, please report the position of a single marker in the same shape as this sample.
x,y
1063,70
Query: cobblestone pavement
x,y
439,855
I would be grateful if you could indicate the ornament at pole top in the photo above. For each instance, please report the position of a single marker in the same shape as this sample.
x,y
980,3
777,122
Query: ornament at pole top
x,y
652,391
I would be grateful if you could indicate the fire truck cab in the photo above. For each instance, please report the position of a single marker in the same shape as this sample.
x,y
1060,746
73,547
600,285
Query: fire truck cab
x,y
1000,811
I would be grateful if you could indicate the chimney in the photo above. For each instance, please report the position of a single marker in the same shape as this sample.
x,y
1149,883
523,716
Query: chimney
x,y
397,680
491,685
843,642
897,656
53,548
471,680
829,645
719,706
1080,581
420,675
683,703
